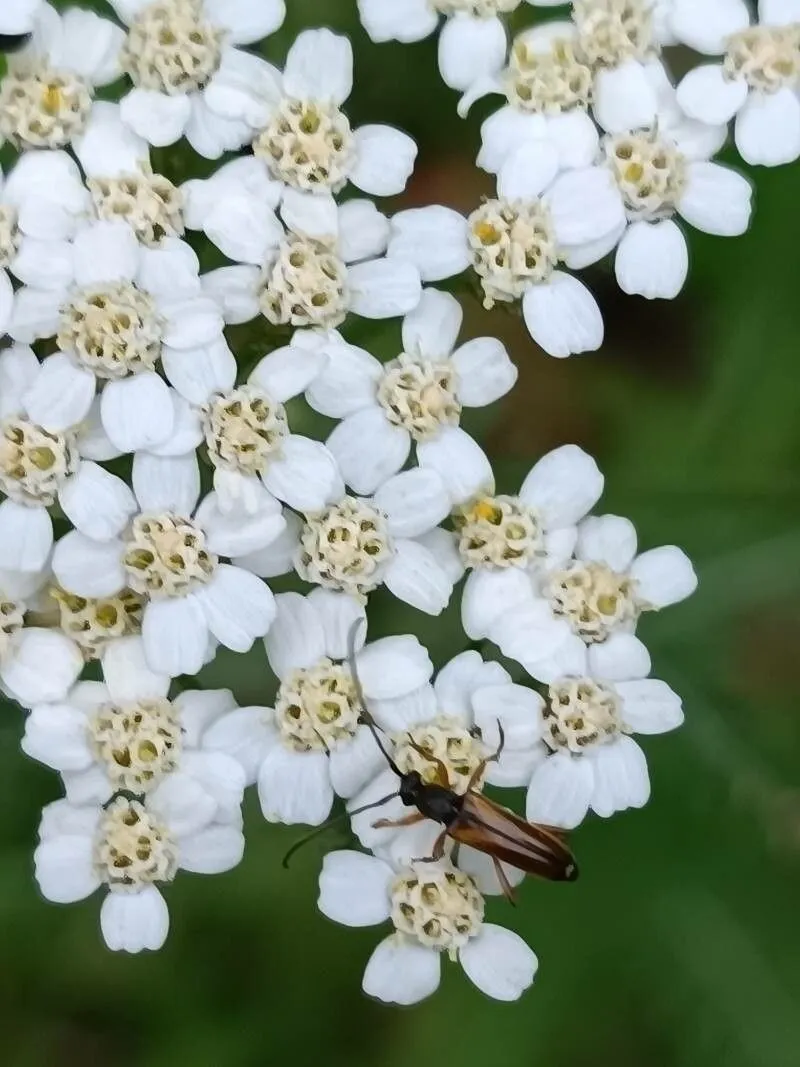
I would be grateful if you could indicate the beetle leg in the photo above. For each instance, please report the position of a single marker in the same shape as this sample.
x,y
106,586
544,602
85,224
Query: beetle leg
x,y
436,852
477,774
505,885
407,820
502,744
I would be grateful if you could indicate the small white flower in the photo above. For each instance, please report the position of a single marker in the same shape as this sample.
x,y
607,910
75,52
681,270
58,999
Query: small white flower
x,y
35,663
456,720
757,80
132,847
385,407
621,40
588,600
46,95
547,84
250,444
125,735
434,908
506,540
121,308
175,52
19,16
585,723
310,746
514,244
321,262
661,172
392,538
299,128
164,547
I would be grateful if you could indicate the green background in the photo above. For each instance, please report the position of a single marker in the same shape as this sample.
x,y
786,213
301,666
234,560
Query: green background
x,y
678,946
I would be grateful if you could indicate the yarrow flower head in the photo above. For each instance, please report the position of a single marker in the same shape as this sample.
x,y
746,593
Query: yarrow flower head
x,y
515,241
175,52
416,398
47,92
757,79
311,267
434,908
164,547
122,310
312,744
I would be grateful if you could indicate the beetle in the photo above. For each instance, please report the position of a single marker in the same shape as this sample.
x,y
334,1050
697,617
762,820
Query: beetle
x,y
467,818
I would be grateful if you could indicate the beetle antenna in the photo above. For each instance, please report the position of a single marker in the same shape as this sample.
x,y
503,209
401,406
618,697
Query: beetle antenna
x,y
333,822
364,713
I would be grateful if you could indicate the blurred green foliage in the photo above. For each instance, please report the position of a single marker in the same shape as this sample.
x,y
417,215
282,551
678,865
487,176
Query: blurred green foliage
x,y
678,946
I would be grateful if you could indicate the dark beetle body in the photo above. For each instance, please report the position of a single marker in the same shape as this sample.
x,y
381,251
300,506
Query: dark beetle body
x,y
435,802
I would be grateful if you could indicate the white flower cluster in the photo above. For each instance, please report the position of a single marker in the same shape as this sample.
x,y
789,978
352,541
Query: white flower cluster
x,y
151,483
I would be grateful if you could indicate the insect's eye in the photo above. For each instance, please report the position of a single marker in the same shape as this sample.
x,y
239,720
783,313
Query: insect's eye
x,y
476,733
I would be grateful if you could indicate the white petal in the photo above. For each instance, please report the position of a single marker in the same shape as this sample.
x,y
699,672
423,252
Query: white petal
x,y
515,768
244,735
393,667
417,578
47,190
459,461
768,128
311,214
607,539
516,708
413,501
575,137
470,48
305,475
489,593
198,373
244,21
319,67
368,448
563,486
568,657
211,134
58,736
61,394
245,88
480,867
296,638
183,803
434,239
347,383
623,98
384,160
527,170
664,576
175,635
105,252
244,228
158,118
585,205
620,777
93,442
88,568
503,131
277,557
407,711
166,483
363,231
716,199
131,922
432,328
288,371
499,963
91,45
187,430
107,148
238,607
232,534
382,792
35,313
26,536
461,677
778,12
354,888
137,412
560,791
485,371
43,667
235,289
706,27
212,851
60,818
338,613
562,316
383,288
97,503
649,706
46,264
19,369
443,546
619,658
295,787
19,17
199,709
64,868
191,321
354,763
222,777
402,20
529,633
127,673
652,260
401,972
707,95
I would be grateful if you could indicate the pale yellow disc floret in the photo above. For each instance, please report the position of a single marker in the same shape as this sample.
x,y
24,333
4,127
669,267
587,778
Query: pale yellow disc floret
x,y
148,202
166,556
447,740
317,707
346,547
244,430
547,82
132,848
420,395
92,622
594,599
12,617
34,463
767,57
308,145
113,331
137,744
498,531
172,47
513,246
650,173
9,234
41,106
305,284
436,906
613,31
581,712
481,9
